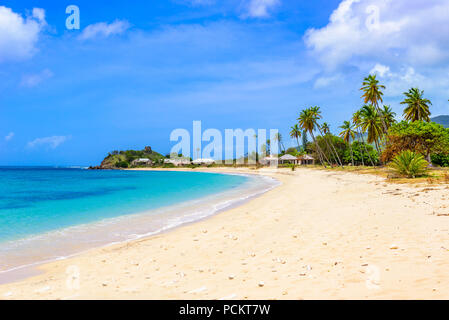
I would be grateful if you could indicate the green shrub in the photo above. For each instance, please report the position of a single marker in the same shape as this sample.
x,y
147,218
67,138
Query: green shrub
x,y
441,160
409,164
361,151
122,164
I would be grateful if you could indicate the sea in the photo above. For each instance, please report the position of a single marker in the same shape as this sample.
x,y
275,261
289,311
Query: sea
x,y
49,213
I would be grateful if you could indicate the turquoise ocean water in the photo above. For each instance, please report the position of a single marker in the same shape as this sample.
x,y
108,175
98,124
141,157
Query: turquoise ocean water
x,y
49,213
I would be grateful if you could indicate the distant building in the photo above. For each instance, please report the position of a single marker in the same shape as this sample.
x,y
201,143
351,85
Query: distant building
x,y
142,161
178,161
306,159
203,161
289,159
270,160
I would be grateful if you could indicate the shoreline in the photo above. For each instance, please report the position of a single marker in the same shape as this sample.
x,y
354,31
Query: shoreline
x,y
200,209
329,235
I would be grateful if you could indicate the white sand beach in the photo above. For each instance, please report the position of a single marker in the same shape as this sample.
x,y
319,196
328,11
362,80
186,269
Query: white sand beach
x,y
320,235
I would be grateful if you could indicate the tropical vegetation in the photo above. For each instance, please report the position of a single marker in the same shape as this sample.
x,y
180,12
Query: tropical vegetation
x,y
409,164
372,136
418,108
124,159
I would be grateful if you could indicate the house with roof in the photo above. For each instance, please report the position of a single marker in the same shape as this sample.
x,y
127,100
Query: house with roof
x,y
178,161
307,160
289,159
142,161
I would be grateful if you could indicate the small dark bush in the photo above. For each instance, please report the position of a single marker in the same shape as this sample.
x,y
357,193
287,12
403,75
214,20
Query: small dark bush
x,y
441,160
122,164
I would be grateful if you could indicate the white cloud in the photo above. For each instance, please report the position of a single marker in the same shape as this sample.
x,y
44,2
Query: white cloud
x,y
381,70
404,79
326,81
39,14
49,142
18,35
9,136
103,29
261,8
32,80
401,31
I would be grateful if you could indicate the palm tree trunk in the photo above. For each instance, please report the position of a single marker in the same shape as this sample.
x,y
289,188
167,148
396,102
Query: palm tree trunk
x,y
377,147
352,156
338,161
366,150
360,149
319,151
338,157
330,151
328,147
381,118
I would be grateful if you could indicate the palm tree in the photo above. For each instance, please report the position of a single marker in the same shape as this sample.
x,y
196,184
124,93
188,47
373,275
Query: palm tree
x,y
371,123
278,138
308,121
325,127
347,135
372,94
326,130
295,133
304,139
257,153
417,106
316,110
357,119
388,115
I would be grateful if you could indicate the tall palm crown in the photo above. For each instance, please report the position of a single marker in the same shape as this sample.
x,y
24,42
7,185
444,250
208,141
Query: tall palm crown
x,y
357,118
370,122
325,127
347,133
295,132
418,108
278,137
307,120
316,112
388,116
372,90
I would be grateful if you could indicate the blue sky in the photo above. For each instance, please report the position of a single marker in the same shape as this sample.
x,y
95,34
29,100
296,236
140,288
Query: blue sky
x,y
134,72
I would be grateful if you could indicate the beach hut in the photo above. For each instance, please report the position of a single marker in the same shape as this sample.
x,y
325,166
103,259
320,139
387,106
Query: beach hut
x,y
270,160
178,161
203,161
307,159
289,159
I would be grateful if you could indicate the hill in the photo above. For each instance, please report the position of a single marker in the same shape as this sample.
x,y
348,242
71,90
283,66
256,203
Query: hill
x,y
443,120
124,159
